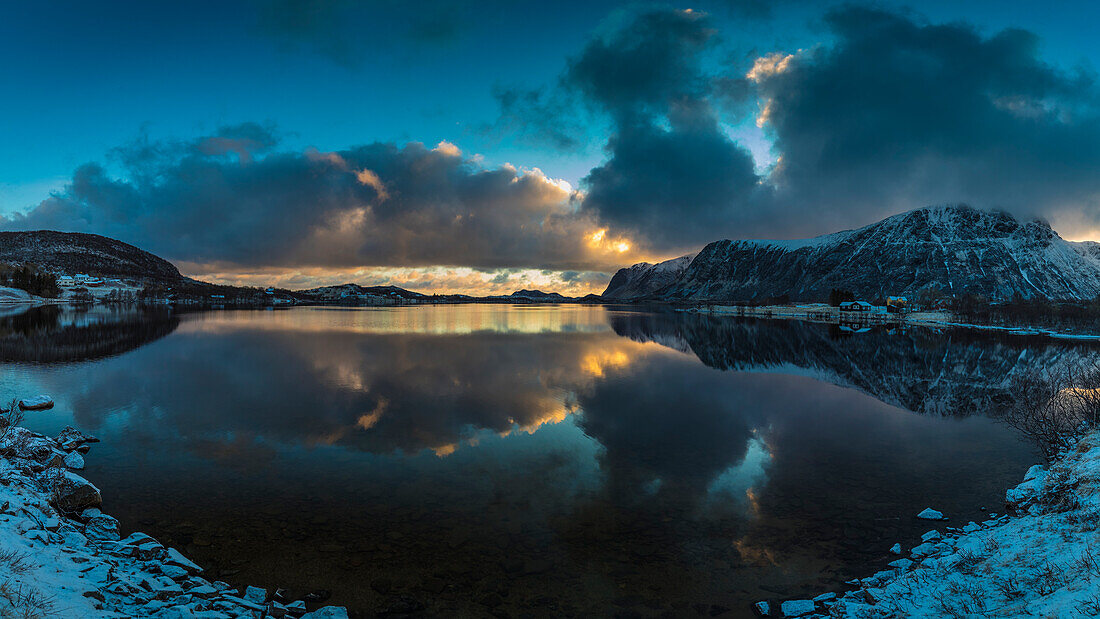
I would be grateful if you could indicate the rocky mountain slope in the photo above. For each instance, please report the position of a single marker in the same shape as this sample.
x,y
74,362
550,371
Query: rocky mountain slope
x,y
76,252
957,249
643,279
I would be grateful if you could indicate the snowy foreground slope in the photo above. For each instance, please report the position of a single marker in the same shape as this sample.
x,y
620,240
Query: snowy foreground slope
x,y
957,249
1040,560
60,556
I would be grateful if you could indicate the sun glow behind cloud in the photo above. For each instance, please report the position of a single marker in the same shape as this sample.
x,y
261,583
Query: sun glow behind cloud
x,y
428,280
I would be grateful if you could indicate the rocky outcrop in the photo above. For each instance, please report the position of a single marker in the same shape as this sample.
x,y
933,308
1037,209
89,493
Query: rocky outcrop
x,y
644,279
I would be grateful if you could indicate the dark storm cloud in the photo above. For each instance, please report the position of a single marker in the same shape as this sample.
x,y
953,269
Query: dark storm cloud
x,y
889,113
898,113
231,198
678,185
672,174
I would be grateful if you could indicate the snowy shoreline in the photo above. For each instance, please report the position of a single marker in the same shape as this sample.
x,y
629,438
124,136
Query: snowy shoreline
x,y
826,314
1042,558
61,556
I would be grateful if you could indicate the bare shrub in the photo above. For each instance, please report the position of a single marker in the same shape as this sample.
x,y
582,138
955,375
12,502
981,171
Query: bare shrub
x,y
15,562
26,602
1090,606
1048,579
1089,563
1055,409
10,418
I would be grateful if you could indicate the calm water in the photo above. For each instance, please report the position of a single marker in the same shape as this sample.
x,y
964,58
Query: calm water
x,y
534,461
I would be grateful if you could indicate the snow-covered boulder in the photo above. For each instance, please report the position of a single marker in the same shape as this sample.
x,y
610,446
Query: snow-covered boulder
x,y
99,526
901,564
896,549
70,438
796,608
930,514
328,612
74,462
764,609
36,403
1029,490
69,491
22,443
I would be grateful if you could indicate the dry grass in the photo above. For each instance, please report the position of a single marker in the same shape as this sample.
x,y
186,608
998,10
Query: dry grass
x,y
22,601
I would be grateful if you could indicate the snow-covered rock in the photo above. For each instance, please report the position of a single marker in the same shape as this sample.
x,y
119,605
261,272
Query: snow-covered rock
x,y
1038,563
69,491
36,403
74,461
328,612
76,560
896,549
70,438
930,514
796,608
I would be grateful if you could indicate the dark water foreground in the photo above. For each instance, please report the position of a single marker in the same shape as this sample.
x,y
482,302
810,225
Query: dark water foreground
x,y
529,461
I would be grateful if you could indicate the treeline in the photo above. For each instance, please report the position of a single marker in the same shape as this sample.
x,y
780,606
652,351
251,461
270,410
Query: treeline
x,y
30,278
1023,312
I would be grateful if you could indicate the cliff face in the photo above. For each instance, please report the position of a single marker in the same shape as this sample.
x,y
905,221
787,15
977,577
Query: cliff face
x,y
956,249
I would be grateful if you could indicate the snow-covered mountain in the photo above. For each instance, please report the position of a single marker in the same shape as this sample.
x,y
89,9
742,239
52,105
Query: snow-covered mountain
x,y
643,279
957,249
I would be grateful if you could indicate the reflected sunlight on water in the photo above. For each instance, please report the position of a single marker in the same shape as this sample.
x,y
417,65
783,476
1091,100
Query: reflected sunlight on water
x,y
543,460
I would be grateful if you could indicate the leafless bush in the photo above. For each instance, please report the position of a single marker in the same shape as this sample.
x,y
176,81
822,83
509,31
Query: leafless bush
x,y
1009,587
1090,606
26,602
10,417
968,562
963,599
1055,409
15,562
1089,563
1048,579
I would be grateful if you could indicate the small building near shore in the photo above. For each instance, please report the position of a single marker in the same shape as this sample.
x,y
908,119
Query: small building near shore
x,y
856,306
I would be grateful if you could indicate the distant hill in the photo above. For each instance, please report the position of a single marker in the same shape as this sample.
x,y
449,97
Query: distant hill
x,y
537,295
352,291
956,249
76,252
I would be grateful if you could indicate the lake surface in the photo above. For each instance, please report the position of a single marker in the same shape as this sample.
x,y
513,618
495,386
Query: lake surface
x,y
527,460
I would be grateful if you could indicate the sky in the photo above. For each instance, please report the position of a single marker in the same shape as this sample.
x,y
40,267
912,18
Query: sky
x,y
448,146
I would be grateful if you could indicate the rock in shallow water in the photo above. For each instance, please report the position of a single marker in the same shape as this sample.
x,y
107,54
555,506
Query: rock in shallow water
x,y
36,403
930,514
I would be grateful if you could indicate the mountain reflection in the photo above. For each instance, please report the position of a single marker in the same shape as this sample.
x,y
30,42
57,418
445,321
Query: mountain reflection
x,y
52,334
920,370
686,457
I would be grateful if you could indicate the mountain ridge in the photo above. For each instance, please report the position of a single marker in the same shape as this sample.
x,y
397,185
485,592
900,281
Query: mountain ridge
x,y
956,248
